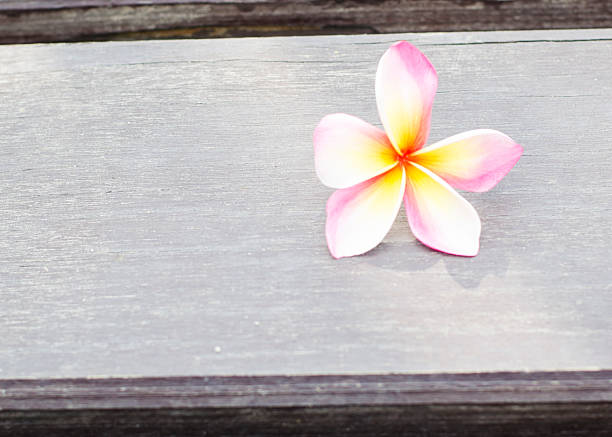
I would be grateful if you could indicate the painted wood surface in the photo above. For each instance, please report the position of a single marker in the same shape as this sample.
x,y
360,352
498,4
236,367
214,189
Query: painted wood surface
x,y
74,20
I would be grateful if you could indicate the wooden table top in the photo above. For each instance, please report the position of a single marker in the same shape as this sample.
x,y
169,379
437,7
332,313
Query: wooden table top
x,y
161,216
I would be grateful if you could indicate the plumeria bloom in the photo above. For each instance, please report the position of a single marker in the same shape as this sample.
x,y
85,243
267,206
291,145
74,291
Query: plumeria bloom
x,y
375,170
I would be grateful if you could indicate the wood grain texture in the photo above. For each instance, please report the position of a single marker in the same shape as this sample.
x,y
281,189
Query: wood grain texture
x,y
513,404
536,420
161,215
305,391
73,20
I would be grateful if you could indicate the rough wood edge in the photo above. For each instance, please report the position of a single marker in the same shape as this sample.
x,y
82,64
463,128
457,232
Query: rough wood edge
x,y
533,420
303,390
87,20
23,5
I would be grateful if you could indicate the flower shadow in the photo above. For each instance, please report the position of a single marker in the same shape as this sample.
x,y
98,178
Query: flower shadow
x,y
411,256
469,272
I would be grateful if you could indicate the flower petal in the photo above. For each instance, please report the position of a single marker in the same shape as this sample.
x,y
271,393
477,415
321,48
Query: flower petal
x,y
359,217
438,216
349,151
406,84
474,161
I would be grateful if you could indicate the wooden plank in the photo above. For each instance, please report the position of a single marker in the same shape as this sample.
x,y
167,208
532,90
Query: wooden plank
x,y
580,420
518,404
161,215
305,391
161,235
123,173
72,20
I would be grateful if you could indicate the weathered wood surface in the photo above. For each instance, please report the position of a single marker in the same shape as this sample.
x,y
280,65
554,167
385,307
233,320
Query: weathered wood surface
x,y
305,391
73,20
160,217
161,214
490,420
529,404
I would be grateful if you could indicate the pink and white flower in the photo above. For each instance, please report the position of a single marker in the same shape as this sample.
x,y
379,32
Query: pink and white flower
x,y
375,170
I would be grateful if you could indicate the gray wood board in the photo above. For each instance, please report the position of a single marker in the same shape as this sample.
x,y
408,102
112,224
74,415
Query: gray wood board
x,y
77,20
160,214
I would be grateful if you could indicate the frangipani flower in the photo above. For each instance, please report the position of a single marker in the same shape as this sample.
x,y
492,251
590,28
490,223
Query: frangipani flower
x,y
375,170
